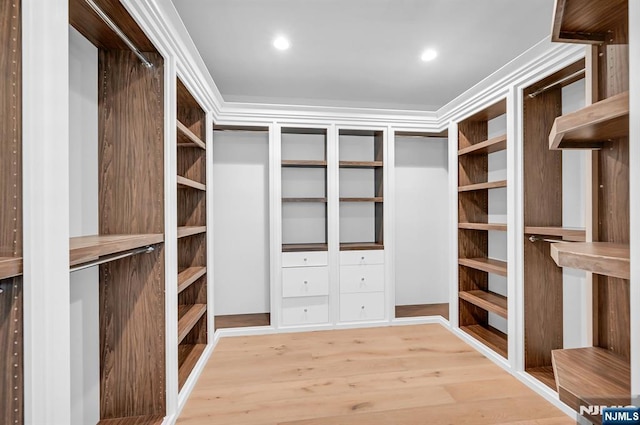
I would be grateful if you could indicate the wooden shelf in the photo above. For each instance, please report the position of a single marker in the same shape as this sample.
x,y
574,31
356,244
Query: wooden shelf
x,y
376,199
321,200
492,145
590,127
188,183
603,258
566,233
483,186
89,248
134,420
361,164
304,163
489,336
10,267
545,375
488,265
301,247
188,316
483,226
185,231
489,301
358,246
186,138
591,374
191,354
588,22
188,276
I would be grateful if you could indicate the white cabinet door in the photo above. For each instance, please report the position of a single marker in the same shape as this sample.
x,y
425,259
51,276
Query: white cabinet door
x,y
303,259
361,257
361,306
305,310
362,278
305,281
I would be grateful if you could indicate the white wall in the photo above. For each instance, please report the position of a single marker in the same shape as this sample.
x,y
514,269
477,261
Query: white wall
x,y
575,315
421,221
83,220
241,227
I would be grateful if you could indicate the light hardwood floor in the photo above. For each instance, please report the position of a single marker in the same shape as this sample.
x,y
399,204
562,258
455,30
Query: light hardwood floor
x,y
410,375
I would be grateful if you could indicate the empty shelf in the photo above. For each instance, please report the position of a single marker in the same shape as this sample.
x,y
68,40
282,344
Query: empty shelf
x,y
185,231
489,146
375,199
361,164
483,226
577,21
304,200
566,233
590,126
186,138
304,163
357,246
191,353
483,186
89,248
603,258
188,316
301,247
188,276
545,375
591,375
489,336
185,182
10,267
134,420
488,265
489,301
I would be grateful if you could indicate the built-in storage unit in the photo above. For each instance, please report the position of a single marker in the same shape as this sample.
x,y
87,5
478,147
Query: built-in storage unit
x,y
420,188
128,246
11,284
481,296
601,126
192,231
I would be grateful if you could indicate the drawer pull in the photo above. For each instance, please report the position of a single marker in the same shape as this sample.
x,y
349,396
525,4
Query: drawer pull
x,y
362,258
304,259
305,282
362,307
305,310
362,279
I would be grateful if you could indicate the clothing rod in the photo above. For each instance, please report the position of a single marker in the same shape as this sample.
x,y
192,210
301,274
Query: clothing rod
x,y
547,87
105,18
534,238
106,259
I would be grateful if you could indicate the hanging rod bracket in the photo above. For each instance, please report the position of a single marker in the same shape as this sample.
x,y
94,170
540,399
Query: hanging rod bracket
x,y
536,238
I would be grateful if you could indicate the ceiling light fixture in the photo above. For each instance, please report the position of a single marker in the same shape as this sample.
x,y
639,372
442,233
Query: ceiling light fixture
x,y
281,43
429,55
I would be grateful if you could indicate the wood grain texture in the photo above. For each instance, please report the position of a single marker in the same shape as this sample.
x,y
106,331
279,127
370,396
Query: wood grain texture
x,y
422,310
489,336
408,375
185,183
242,320
500,227
360,164
186,231
483,186
304,163
488,265
188,316
302,247
473,207
11,359
192,208
489,146
566,233
190,113
132,336
591,126
492,302
188,276
604,258
545,375
137,420
360,246
588,21
187,139
192,251
84,19
374,199
188,356
83,249
10,267
11,128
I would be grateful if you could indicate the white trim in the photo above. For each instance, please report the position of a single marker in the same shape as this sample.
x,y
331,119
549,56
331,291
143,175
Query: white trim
x,y
45,125
513,232
275,221
453,224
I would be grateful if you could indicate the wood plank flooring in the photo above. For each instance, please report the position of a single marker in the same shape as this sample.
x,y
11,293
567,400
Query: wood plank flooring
x,y
410,375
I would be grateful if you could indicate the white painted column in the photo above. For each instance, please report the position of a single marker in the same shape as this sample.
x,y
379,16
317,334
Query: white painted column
x,y
453,223
46,211
515,229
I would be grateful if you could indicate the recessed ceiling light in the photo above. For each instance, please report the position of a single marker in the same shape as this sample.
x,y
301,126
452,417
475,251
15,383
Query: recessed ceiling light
x,y
429,55
281,43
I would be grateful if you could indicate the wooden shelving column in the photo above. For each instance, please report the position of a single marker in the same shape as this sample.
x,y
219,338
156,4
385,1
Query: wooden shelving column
x,y
476,301
602,126
131,215
192,232
11,284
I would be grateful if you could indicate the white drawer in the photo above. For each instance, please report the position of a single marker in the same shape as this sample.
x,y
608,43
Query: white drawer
x,y
305,311
359,307
305,281
362,278
362,257
302,259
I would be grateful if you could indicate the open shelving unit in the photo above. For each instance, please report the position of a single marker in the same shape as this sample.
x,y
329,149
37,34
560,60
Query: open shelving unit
x,y
476,300
361,165
130,168
11,282
192,231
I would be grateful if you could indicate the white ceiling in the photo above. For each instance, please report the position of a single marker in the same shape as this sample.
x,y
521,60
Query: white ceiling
x,y
360,53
